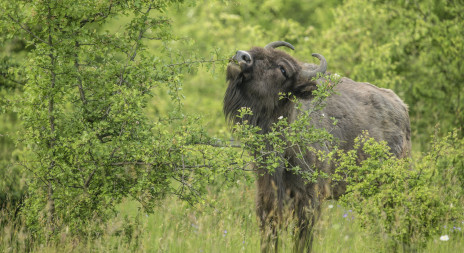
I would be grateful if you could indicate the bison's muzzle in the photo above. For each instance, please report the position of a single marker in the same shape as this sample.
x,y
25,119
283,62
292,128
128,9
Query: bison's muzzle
x,y
243,59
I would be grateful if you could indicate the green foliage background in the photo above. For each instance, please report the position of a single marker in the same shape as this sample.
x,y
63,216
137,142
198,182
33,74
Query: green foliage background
x,y
170,106
412,47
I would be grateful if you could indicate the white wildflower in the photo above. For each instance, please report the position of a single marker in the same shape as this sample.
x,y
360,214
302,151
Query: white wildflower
x,y
444,238
281,117
331,206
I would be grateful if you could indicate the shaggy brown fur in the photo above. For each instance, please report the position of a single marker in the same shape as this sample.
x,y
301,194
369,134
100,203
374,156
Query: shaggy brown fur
x,y
255,79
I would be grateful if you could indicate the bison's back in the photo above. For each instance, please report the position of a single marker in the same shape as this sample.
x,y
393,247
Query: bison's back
x,y
363,106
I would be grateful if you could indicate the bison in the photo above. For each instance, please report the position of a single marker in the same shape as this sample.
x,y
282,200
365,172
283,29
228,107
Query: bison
x,y
255,80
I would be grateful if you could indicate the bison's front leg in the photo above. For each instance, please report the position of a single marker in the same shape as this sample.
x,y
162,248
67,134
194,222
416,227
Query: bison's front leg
x,y
305,204
269,235
307,216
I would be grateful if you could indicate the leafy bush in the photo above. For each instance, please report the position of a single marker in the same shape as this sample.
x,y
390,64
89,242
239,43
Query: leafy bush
x,y
404,203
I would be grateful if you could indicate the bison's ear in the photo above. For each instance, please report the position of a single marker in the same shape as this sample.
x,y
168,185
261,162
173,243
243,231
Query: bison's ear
x,y
304,90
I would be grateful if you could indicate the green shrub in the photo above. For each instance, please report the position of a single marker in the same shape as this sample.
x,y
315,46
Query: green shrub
x,y
401,201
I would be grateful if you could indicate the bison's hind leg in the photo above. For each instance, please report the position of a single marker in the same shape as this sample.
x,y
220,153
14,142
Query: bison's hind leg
x,y
304,235
269,233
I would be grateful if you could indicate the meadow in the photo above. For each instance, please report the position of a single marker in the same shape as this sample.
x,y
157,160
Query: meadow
x,y
225,223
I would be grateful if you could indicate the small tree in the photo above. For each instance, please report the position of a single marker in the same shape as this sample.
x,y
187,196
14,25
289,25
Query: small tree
x,y
82,110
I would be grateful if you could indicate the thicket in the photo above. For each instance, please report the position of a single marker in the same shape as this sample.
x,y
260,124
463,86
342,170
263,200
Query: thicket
x,y
103,101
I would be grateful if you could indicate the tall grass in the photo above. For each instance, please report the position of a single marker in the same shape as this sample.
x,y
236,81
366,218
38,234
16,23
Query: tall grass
x,y
226,222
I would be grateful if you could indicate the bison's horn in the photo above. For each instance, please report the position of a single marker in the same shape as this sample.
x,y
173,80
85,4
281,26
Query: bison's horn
x,y
276,44
321,69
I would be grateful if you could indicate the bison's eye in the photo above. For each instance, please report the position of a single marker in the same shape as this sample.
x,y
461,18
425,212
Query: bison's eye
x,y
283,71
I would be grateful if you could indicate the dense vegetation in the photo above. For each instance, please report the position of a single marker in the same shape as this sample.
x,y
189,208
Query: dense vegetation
x,y
116,102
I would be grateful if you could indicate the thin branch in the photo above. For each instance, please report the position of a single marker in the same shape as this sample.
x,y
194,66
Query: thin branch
x,y
141,32
131,163
195,62
79,80
87,44
189,186
51,201
137,45
31,170
219,145
25,28
87,182
152,38
101,15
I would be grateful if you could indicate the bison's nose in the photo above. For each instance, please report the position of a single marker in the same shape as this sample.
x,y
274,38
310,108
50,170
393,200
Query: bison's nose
x,y
243,58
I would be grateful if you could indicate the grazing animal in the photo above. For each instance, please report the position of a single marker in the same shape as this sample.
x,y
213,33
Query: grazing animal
x,y
255,80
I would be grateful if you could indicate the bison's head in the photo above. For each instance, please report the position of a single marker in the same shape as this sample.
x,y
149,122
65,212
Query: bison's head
x,y
257,77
